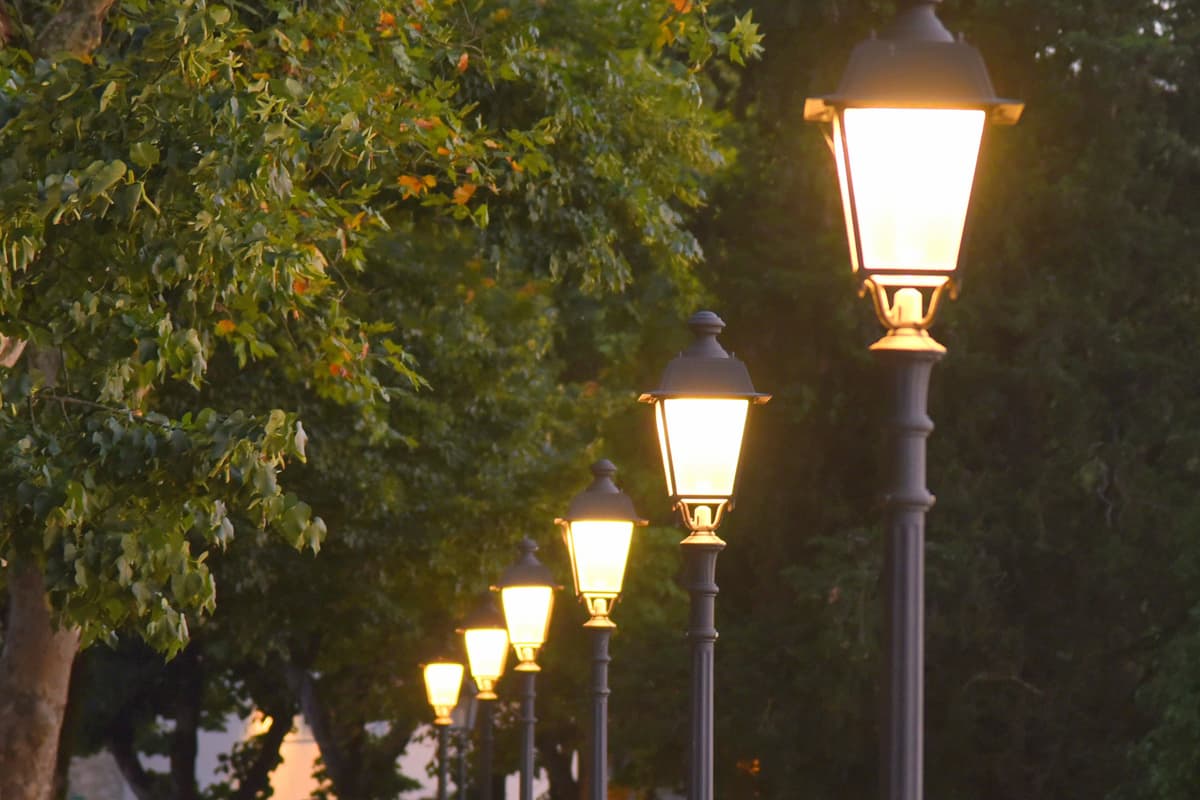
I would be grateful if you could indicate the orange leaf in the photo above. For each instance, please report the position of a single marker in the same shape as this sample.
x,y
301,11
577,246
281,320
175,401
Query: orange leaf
x,y
491,145
442,151
682,6
387,19
411,183
226,327
429,181
463,61
516,165
299,285
428,124
463,193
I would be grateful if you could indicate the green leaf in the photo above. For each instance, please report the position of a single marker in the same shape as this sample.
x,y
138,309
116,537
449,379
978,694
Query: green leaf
x,y
144,154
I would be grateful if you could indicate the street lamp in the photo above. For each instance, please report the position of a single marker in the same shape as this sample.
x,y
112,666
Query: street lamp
x,y
486,638
598,529
907,120
527,596
443,679
700,409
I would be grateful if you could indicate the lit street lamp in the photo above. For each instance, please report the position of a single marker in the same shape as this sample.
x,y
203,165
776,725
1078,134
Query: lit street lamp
x,y
598,529
527,596
443,679
700,408
907,120
486,637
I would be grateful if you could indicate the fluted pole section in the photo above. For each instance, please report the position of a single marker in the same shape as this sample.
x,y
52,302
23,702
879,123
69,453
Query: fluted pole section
x,y
528,720
486,708
443,761
599,739
907,501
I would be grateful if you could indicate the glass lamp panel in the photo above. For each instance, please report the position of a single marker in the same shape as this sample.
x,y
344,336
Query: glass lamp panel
x,y
487,651
660,421
599,550
706,443
839,157
442,682
527,613
911,171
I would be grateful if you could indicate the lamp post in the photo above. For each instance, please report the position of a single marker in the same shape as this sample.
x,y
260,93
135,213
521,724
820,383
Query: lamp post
x,y
463,717
486,638
907,120
700,407
598,530
527,596
442,682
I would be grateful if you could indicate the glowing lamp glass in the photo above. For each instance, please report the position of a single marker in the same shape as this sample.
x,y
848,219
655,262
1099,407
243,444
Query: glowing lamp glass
x,y
487,652
599,550
701,442
906,177
442,683
527,613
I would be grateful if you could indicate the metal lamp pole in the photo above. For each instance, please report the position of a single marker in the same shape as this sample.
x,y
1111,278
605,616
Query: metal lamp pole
x,y
599,739
700,562
486,748
907,501
443,761
528,723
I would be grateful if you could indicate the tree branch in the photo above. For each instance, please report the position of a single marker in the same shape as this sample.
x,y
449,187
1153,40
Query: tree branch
x,y
257,778
189,694
336,762
119,740
76,29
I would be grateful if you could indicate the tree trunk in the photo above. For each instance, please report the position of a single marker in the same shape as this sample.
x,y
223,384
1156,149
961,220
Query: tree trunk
x,y
35,665
184,739
35,673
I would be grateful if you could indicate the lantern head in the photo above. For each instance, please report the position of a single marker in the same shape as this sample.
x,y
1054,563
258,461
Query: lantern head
x,y
486,638
527,596
443,679
907,120
598,530
700,409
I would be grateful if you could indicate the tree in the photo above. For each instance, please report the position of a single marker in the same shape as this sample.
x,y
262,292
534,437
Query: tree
x,y
207,217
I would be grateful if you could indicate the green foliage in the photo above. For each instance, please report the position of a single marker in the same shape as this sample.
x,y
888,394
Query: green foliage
x,y
439,234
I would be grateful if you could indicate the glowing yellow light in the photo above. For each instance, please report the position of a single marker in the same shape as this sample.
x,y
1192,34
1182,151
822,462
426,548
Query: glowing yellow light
x,y
599,550
442,683
487,651
705,438
662,446
527,612
910,172
259,723
847,209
